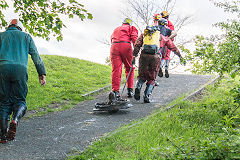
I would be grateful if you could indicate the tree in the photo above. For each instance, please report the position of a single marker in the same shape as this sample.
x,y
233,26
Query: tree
x,y
219,54
142,12
43,18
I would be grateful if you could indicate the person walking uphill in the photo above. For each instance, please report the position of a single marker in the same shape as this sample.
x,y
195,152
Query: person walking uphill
x,y
165,31
121,52
166,58
15,46
149,61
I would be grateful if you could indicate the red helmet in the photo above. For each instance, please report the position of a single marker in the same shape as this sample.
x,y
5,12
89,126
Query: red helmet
x,y
157,16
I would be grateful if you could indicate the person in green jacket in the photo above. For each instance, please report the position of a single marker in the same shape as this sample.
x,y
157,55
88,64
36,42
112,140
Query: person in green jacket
x,y
15,45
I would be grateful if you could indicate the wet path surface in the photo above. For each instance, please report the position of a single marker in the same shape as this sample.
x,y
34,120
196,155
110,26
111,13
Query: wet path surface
x,y
56,135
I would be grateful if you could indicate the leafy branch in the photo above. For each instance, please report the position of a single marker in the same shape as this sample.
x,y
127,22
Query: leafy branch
x,y
43,18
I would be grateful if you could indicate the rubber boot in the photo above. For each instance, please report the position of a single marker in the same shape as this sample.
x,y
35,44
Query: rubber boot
x,y
130,92
111,97
166,69
166,73
117,96
138,89
3,130
17,115
160,73
147,93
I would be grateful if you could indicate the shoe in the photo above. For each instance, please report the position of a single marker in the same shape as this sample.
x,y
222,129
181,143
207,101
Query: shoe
x,y
156,83
11,134
130,92
166,74
3,140
160,73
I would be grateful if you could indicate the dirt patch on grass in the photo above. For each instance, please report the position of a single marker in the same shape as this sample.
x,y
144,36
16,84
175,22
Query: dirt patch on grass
x,y
51,107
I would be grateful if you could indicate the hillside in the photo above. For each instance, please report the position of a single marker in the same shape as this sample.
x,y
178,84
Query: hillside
x,y
207,128
67,80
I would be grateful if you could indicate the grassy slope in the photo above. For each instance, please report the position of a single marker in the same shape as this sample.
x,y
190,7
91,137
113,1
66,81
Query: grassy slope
x,y
191,130
67,80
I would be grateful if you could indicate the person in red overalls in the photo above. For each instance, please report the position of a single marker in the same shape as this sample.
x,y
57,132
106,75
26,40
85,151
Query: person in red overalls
x,y
156,18
166,58
121,50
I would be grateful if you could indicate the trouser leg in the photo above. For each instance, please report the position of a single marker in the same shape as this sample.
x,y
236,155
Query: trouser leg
x,y
116,62
13,92
5,104
127,57
19,94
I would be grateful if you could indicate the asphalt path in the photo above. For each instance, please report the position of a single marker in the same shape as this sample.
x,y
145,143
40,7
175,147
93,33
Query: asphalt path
x,y
57,135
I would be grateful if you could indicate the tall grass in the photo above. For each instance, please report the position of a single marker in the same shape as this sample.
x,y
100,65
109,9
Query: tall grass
x,y
205,129
67,80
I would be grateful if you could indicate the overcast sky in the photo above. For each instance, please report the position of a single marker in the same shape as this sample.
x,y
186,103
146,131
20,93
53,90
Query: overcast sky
x,y
81,38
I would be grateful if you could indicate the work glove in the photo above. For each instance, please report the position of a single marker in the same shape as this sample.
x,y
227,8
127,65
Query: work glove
x,y
133,61
182,61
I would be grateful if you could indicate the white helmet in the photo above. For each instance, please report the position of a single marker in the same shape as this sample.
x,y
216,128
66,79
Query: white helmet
x,y
17,23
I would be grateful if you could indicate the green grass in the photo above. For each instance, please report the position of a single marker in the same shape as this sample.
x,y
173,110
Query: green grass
x,y
204,129
67,80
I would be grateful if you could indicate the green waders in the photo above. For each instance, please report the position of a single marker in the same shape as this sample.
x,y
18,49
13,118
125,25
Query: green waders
x,y
13,92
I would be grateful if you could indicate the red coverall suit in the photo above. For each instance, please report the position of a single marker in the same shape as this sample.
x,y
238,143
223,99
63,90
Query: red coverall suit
x,y
121,52
166,56
170,26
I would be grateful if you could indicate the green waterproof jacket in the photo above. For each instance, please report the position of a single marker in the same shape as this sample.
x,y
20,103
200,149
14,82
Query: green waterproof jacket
x,y
15,46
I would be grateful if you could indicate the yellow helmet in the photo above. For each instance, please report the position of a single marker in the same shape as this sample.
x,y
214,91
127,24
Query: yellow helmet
x,y
127,21
164,14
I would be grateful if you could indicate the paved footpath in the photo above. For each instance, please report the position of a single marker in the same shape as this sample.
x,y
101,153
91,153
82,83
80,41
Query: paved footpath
x,y
56,135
